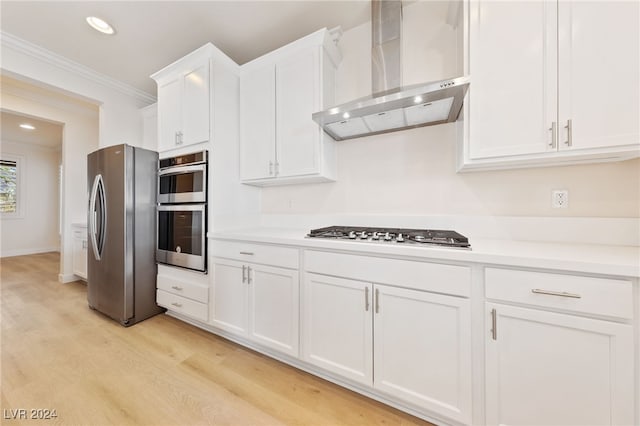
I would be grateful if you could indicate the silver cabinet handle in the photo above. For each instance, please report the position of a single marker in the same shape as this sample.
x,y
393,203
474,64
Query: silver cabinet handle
x,y
556,293
270,168
247,253
277,168
554,134
569,140
248,274
84,244
244,274
179,138
366,299
175,287
177,305
377,300
494,324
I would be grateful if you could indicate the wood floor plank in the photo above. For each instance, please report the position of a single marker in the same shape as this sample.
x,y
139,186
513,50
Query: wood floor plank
x,y
57,353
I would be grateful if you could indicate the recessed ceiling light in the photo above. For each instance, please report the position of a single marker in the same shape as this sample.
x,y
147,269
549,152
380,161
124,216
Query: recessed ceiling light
x,y
27,126
100,25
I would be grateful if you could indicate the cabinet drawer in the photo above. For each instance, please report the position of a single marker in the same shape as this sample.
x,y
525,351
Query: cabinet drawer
x,y
436,277
183,305
285,257
590,295
196,291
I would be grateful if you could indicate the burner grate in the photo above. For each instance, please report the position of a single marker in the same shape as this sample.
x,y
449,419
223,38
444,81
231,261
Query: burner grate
x,y
432,237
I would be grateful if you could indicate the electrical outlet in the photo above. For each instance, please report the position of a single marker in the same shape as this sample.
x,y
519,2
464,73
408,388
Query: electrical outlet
x,y
560,199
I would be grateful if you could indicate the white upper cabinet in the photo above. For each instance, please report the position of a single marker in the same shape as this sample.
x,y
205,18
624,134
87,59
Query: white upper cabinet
x,y
599,74
184,99
552,83
297,97
279,141
258,123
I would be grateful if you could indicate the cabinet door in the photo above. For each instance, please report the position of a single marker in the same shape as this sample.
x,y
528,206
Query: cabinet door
x,y
599,73
169,113
230,295
196,105
422,349
297,97
545,368
273,308
257,124
80,257
512,98
337,326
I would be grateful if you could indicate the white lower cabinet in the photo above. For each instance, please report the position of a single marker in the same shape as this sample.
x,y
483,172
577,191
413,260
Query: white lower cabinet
x,y
414,346
80,251
558,368
183,292
258,302
545,368
337,326
422,349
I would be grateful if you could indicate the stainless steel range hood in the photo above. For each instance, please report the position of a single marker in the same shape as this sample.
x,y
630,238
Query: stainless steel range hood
x,y
392,107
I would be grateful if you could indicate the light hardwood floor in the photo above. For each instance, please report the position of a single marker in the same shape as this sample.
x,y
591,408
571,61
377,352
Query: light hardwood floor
x,y
59,354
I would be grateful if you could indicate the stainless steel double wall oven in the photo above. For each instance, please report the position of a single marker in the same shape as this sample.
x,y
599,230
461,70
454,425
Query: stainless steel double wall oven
x,y
182,211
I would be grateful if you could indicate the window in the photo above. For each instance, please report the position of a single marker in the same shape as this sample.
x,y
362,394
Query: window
x,y
8,186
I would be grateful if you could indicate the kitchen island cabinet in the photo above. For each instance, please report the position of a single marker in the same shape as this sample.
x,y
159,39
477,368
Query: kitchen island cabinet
x,y
540,96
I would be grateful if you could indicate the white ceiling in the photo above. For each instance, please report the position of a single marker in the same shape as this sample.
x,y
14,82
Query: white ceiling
x,y
46,133
152,34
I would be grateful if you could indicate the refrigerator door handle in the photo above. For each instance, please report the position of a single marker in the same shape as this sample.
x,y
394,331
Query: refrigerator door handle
x,y
94,234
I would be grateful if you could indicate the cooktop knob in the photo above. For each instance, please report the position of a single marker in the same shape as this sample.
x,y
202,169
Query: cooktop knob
x,y
363,235
375,236
387,237
400,238
352,235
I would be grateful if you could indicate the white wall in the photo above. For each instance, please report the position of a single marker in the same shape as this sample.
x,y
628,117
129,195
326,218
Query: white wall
x,y
113,119
80,136
413,172
36,229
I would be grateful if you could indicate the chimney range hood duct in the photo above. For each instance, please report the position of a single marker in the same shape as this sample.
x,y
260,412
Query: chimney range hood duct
x,y
392,107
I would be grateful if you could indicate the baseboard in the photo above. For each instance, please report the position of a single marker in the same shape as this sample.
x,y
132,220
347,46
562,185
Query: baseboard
x,y
67,278
23,252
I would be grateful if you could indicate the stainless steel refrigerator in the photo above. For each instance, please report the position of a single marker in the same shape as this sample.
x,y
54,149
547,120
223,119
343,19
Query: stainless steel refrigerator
x,y
121,269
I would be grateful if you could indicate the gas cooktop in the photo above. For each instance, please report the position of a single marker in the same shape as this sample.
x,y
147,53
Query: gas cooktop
x,y
392,235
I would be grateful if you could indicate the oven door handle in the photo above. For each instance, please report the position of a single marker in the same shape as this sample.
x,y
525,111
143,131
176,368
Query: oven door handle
x,y
180,170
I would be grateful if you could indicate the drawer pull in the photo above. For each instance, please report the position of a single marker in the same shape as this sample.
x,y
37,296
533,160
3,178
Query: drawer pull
x,y
175,287
556,293
247,253
177,305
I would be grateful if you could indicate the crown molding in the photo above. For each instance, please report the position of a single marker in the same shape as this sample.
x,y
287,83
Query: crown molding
x,y
12,42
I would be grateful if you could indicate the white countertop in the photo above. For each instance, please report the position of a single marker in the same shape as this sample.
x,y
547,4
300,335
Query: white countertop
x,y
585,258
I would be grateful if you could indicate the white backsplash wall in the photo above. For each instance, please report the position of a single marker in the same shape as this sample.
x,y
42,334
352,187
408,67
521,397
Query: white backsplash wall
x,y
413,172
